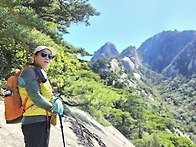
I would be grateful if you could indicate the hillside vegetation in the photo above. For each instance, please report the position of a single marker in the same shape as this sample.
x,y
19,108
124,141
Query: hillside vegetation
x,y
179,94
135,111
155,120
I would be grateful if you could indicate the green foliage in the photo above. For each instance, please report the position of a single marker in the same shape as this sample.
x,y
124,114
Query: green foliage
x,y
62,12
98,64
22,29
158,122
163,139
180,93
177,95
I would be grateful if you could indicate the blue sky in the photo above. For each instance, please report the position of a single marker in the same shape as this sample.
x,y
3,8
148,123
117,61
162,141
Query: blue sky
x,y
131,22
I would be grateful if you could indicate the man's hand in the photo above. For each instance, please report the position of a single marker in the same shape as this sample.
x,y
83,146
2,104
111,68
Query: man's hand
x,y
58,107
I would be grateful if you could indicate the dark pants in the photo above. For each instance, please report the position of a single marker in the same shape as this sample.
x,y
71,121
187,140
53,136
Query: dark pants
x,y
36,134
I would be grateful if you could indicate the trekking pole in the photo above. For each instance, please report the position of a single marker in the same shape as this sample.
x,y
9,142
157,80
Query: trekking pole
x,y
60,118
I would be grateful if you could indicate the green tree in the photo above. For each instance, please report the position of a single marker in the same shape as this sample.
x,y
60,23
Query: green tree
x,y
62,12
25,24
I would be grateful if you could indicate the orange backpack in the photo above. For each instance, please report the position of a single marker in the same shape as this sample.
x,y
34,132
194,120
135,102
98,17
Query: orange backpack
x,y
14,108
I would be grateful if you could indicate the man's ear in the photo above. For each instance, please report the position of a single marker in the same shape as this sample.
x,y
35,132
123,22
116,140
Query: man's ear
x,y
34,56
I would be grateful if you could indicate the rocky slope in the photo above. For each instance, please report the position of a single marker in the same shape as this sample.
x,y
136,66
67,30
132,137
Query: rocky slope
x,y
86,133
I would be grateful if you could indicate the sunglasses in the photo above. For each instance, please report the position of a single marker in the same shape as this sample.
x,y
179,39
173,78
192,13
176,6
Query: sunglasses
x,y
44,54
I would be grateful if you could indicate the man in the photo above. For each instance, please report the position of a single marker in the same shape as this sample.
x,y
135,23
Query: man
x,y
35,89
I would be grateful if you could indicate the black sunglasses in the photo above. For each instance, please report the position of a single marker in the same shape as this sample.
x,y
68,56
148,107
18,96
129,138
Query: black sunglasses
x,y
44,54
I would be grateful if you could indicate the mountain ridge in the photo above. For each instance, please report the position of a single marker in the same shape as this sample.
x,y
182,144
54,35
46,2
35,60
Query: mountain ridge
x,y
159,52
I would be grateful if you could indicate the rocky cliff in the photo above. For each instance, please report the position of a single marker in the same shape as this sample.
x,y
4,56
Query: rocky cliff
x,y
170,52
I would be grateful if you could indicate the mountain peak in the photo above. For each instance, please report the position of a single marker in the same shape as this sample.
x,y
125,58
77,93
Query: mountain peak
x,y
109,43
107,50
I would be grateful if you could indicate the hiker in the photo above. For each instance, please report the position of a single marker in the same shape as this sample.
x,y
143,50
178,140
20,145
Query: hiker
x,y
33,83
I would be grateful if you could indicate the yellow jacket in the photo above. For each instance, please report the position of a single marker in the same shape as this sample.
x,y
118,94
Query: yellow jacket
x,y
38,94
